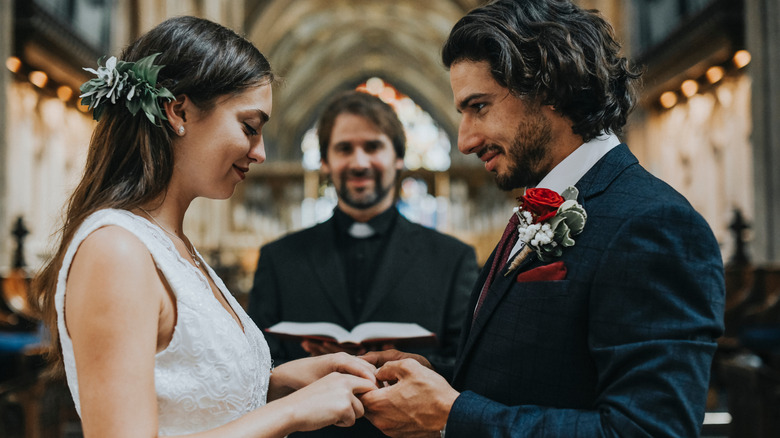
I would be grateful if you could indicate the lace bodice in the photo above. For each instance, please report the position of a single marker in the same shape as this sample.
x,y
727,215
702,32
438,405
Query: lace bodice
x,y
212,372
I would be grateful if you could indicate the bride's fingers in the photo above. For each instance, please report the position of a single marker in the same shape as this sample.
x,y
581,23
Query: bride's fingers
x,y
357,407
351,416
344,363
348,416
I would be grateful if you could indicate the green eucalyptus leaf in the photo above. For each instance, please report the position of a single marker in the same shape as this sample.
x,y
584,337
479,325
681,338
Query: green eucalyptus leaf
x,y
165,94
145,70
97,112
570,194
133,106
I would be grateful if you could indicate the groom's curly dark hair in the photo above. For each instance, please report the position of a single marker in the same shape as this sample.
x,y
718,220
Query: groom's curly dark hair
x,y
553,51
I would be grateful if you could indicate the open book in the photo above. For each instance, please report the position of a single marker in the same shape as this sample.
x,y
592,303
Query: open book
x,y
367,334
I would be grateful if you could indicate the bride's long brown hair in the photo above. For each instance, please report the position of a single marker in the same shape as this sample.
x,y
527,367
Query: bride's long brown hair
x,y
130,159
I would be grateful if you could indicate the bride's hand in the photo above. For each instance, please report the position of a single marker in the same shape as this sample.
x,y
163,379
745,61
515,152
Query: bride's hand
x,y
329,400
296,374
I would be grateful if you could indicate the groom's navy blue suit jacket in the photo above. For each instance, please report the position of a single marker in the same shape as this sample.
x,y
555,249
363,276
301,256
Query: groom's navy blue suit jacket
x,y
622,346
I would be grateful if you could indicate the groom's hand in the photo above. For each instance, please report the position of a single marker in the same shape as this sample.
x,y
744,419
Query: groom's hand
x,y
379,358
416,402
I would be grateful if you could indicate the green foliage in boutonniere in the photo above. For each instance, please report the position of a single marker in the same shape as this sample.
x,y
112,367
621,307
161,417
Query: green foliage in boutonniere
x,y
135,83
548,221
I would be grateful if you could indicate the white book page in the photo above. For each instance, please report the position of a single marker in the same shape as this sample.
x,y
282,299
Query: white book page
x,y
374,330
311,328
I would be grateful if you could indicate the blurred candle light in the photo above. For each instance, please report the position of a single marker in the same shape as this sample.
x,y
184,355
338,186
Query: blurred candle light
x,y
715,74
742,58
668,99
38,78
14,64
64,92
689,87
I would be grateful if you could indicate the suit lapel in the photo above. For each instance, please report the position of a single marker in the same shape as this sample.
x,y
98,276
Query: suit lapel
x,y
473,298
500,286
329,270
394,264
595,181
601,175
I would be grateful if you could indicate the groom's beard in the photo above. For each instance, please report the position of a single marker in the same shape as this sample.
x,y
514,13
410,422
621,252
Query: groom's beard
x,y
529,154
367,199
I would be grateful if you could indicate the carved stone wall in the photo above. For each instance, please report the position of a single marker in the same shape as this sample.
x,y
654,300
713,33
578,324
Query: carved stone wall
x,y
48,142
6,35
763,41
703,149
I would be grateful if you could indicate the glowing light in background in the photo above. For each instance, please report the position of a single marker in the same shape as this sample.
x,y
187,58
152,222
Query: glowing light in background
x,y
689,87
64,92
38,78
742,58
310,146
13,63
668,99
715,74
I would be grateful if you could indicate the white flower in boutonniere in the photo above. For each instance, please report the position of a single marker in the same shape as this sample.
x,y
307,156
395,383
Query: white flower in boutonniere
x,y
547,223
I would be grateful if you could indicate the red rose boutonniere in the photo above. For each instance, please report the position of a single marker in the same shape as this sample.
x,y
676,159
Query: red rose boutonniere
x,y
547,222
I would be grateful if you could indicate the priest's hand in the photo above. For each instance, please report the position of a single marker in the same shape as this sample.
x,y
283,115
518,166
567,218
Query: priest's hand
x,y
318,348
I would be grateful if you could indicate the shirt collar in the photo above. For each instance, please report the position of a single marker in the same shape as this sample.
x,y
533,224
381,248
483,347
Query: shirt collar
x,y
380,223
569,171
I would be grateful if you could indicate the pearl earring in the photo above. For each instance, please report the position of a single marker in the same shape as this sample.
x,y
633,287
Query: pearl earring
x,y
181,130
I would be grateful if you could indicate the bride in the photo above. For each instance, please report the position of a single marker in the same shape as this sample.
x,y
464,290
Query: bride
x,y
151,341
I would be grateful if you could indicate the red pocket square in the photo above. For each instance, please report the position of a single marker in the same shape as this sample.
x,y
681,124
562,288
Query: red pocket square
x,y
552,272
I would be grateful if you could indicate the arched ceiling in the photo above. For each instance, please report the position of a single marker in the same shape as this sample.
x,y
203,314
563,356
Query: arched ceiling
x,y
322,47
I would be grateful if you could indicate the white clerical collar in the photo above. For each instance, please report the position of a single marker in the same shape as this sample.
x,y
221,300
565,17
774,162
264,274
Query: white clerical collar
x,y
361,230
569,171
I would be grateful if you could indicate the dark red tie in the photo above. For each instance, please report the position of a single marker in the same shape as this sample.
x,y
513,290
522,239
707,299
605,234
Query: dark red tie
x,y
505,245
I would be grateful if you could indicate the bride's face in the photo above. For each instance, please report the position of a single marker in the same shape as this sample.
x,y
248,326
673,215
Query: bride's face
x,y
219,144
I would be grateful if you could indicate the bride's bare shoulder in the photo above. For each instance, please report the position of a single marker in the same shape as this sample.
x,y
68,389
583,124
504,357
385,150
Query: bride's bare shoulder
x,y
115,254
112,241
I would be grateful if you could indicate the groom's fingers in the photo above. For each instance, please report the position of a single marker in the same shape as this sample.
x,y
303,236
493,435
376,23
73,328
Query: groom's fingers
x,y
397,370
374,401
379,358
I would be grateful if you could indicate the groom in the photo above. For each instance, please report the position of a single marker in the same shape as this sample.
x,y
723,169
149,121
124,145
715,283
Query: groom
x,y
613,336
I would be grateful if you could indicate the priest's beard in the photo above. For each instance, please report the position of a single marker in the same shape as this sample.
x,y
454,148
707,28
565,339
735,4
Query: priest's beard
x,y
528,158
364,200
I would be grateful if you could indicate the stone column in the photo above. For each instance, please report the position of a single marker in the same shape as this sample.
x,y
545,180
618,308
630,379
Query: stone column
x,y
6,36
762,27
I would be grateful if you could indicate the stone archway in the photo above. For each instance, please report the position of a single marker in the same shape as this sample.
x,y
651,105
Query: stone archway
x,y
321,47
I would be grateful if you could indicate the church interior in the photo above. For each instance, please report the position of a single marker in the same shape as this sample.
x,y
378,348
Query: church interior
x,y
706,123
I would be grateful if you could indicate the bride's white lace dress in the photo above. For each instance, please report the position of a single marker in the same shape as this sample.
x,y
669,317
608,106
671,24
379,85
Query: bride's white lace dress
x,y
212,372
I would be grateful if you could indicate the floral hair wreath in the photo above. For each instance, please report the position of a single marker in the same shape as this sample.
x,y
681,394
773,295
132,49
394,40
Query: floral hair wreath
x,y
135,83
